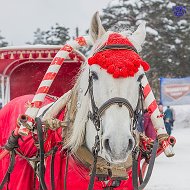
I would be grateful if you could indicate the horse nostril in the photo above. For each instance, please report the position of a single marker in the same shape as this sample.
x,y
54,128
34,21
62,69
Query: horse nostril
x,y
130,145
107,145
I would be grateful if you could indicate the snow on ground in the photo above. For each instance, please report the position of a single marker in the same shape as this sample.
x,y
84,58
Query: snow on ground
x,y
174,173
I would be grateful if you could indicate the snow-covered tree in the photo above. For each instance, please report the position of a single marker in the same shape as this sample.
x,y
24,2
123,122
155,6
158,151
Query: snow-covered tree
x,y
3,43
167,46
39,37
56,35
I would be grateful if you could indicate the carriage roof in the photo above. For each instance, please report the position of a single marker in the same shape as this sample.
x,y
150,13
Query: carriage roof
x,y
23,67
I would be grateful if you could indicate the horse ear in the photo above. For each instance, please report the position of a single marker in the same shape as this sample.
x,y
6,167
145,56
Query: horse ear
x,y
96,29
137,38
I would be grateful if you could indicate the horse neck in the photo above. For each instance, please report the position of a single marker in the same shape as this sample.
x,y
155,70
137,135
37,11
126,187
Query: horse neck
x,y
80,109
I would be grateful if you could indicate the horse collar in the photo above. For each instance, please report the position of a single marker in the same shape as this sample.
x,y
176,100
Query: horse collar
x,y
103,168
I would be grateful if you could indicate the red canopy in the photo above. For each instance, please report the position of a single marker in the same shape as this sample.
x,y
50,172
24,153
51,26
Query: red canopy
x,y
22,69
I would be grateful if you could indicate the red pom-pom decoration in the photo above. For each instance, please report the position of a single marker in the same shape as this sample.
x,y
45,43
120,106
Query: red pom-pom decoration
x,y
120,63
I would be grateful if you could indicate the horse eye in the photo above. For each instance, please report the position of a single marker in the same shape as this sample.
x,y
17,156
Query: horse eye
x,y
94,75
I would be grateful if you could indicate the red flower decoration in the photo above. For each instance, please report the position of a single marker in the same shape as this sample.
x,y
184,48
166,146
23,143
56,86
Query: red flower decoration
x,y
119,63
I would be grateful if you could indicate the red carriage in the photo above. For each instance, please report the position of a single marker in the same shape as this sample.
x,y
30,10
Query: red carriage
x,y
22,69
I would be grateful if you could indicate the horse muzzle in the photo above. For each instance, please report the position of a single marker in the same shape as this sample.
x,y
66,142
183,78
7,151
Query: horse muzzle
x,y
117,153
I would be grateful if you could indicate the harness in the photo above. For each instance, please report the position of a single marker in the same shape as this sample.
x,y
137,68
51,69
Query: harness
x,y
95,116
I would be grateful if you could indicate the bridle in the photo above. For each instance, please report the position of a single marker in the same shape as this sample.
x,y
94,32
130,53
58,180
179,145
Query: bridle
x,y
95,116
96,113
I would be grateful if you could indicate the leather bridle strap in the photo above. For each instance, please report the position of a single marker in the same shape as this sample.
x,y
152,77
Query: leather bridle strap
x,y
116,47
52,167
95,116
93,174
97,112
9,170
120,102
41,153
149,171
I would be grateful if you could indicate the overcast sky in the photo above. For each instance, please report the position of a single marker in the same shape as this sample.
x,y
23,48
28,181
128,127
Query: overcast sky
x,y
20,18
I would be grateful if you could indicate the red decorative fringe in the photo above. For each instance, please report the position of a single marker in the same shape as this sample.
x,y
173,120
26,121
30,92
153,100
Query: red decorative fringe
x,y
119,63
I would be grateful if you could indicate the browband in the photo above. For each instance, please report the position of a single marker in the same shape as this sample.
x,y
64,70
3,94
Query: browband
x,y
117,47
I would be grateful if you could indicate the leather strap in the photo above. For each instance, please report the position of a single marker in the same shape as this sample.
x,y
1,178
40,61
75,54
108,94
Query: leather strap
x,y
52,168
9,170
117,47
12,142
120,102
41,153
93,174
149,171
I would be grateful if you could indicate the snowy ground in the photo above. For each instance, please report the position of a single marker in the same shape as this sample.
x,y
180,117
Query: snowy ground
x,y
174,173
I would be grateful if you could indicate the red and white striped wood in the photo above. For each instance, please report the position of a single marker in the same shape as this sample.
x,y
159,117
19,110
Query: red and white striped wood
x,y
49,77
151,105
156,116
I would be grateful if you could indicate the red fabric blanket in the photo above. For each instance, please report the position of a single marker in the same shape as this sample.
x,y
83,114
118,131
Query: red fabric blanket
x,y
22,177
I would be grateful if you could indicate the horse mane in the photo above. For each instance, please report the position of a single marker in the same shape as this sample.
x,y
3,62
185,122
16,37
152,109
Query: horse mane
x,y
77,131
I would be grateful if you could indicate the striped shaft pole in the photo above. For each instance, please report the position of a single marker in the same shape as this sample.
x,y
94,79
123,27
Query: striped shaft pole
x,y
156,116
152,107
26,121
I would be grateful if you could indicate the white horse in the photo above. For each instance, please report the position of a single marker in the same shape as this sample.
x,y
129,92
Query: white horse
x,y
117,139
101,106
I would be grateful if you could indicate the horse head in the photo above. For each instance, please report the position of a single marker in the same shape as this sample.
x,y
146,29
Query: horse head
x,y
108,93
100,115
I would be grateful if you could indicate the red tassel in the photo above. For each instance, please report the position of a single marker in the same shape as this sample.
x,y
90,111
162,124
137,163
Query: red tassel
x,y
145,65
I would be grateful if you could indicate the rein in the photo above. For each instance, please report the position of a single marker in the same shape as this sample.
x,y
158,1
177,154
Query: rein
x,y
41,153
9,170
136,156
